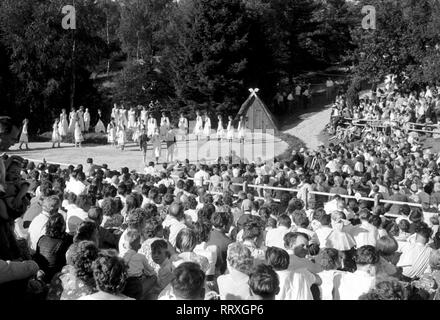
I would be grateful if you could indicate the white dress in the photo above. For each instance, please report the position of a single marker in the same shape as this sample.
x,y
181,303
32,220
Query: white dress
x,y
115,114
81,119
56,136
241,129
64,125
132,119
121,137
24,134
111,133
198,129
123,117
151,127
207,128
220,129
230,130
157,145
137,132
78,134
72,121
86,121
164,126
183,126
144,116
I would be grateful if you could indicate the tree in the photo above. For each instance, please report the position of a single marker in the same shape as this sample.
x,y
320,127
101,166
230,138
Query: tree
x,y
41,55
210,58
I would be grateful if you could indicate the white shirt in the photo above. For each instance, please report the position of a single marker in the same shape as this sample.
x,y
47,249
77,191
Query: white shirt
x,y
210,253
275,237
364,234
37,228
414,259
297,263
295,285
201,178
328,283
233,286
350,286
75,216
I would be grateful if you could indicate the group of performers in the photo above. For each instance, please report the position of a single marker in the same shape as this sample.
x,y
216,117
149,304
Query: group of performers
x,y
77,123
143,126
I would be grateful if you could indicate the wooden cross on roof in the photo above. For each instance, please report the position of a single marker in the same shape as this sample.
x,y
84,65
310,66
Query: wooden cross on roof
x,y
254,91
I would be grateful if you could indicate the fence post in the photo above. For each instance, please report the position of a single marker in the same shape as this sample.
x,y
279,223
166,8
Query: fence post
x,y
245,184
306,202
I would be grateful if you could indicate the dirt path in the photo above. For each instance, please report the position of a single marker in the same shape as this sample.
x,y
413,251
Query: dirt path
x,y
309,126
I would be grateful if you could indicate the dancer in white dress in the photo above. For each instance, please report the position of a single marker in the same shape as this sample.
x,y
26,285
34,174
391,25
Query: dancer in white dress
x,y
241,129
207,127
81,118
86,120
78,134
157,144
183,126
220,129
198,129
123,116
64,124
72,120
115,113
230,130
56,136
137,131
111,132
100,127
121,137
24,139
132,118
164,126
151,125
144,115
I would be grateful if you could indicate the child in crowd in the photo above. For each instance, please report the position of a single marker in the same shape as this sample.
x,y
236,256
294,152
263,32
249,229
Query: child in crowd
x,y
141,278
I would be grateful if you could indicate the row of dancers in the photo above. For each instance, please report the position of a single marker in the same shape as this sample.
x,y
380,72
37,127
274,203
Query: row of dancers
x,y
123,120
146,122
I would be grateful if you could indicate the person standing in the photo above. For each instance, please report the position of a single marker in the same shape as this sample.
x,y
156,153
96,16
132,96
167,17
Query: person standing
x,y
64,124
230,129
78,132
115,113
330,85
164,126
183,126
157,144
81,118
241,129
298,99
86,120
143,144
111,132
151,126
198,129
121,136
56,137
100,125
307,96
144,115
132,118
123,116
220,129
171,144
207,128
24,139
72,120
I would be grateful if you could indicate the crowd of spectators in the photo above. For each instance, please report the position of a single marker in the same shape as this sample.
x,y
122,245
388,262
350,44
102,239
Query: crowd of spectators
x,y
357,221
